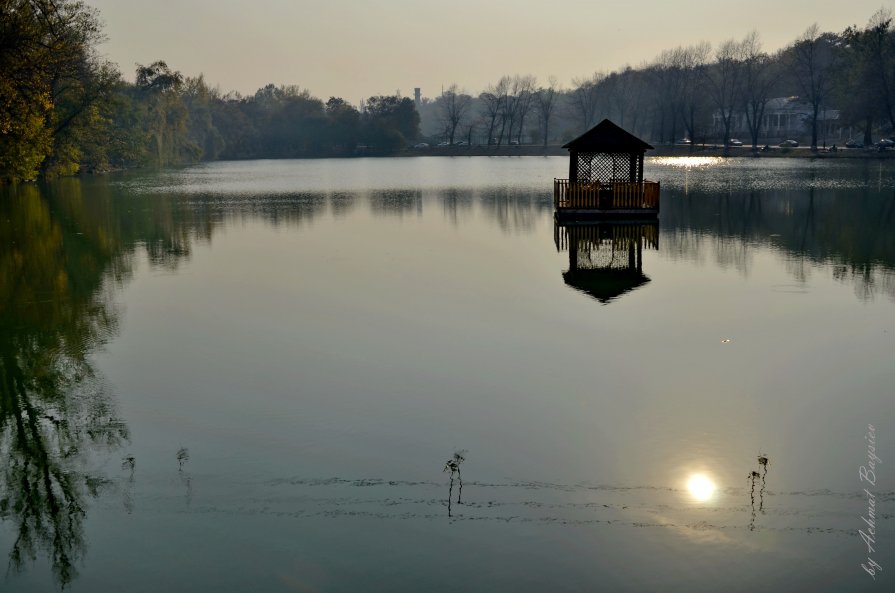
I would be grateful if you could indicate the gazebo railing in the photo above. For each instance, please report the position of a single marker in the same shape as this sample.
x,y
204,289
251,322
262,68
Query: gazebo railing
x,y
615,195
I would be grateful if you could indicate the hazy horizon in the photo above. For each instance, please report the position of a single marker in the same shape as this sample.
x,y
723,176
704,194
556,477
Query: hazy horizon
x,y
357,50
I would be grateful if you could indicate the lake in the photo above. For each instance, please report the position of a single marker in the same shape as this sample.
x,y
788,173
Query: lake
x,y
255,376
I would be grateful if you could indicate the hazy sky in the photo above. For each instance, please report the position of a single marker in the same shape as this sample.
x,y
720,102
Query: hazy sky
x,y
355,49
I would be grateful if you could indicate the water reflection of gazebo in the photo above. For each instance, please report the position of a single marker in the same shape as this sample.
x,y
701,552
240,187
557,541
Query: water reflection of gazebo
x,y
606,259
606,177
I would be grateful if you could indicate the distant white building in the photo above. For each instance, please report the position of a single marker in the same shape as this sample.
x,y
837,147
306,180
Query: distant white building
x,y
785,118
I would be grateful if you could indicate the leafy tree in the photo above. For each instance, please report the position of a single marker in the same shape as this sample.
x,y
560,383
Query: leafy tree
x,y
166,118
203,133
389,122
344,123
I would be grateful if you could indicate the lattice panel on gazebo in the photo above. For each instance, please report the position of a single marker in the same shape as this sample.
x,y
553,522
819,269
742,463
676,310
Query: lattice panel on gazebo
x,y
605,255
605,167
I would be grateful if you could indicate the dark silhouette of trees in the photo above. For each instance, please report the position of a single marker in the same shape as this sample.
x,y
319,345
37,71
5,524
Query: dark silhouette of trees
x,y
865,89
492,101
724,79
812,60
454,105
343,120
389,123
584,97
545,107
760,74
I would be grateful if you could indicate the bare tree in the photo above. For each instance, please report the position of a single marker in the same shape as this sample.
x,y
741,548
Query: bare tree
x,y
812,60
469,130
525,90
515,105
868,63
759,77
545,99
584,98
691,62
677,76
490,100
454,105
504,106
881,44
663,90
637,95
618,87
724,82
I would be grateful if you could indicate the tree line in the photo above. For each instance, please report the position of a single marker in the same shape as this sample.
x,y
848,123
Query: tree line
x,y
65,109
695,91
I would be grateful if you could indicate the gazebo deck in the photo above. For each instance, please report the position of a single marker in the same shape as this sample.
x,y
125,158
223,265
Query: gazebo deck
x,y
616,199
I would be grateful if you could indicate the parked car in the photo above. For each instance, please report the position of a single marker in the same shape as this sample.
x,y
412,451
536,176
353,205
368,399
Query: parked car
x,y
684,141
789,144
443,144
885,143
735,142
854,143
514,142
421,145
460,143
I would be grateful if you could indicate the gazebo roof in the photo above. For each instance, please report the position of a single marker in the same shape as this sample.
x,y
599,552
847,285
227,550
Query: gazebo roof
x,y
607,137
605,285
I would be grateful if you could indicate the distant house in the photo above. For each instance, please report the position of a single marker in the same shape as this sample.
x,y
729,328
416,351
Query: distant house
x,y
784,118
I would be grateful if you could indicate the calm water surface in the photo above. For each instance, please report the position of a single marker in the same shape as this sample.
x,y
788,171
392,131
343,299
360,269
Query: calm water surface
x,y
249,376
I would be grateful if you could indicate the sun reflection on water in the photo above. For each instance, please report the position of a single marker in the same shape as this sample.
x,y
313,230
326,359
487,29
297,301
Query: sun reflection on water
x,y
688,161
700,487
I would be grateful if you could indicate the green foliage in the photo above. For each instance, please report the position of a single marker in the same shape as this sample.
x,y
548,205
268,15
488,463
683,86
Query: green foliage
x,y
389,123
25,139
165,115
25,97
52,82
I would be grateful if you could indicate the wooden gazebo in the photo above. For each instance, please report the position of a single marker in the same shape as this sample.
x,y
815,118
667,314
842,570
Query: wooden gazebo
x,y
606,177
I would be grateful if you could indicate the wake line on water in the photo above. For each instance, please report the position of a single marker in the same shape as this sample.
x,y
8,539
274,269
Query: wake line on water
x,y
407,516
580,487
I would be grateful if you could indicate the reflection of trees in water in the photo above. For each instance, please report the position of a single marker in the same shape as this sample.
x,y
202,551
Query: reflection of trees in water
x,y
342,203
454,202
67,245
292,210
515,209
63,255
396,202
850,229
54,311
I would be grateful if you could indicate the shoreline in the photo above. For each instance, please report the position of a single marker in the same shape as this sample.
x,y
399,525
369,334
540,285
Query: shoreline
x,y
661,151
529,151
